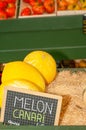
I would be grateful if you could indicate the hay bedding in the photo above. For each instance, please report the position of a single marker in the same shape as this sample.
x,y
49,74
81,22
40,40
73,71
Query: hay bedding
x,y
71,87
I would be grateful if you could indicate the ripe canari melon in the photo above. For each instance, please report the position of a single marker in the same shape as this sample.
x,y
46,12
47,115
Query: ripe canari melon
x,y
22,70
44,62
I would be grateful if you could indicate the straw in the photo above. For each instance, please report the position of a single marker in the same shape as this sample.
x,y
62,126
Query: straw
x,y
70,85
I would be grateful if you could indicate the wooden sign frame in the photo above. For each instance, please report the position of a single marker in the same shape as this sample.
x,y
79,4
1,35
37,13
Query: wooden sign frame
x,y
51,96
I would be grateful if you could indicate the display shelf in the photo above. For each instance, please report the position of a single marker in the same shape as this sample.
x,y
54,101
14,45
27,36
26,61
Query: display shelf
x,y
62,36
4,127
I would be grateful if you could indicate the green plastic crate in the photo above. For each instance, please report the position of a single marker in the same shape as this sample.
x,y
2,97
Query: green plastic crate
x,y
62,36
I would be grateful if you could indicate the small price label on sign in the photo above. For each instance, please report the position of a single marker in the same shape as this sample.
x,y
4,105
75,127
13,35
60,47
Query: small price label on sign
x,y
24,107
84,23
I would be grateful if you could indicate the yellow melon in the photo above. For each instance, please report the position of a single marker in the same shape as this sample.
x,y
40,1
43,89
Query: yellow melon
x,y
22,70
44,62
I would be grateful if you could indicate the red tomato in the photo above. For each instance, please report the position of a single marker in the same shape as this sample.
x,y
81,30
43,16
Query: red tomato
x,y
3,4
3,15
10,11
38,9
10,5
10,1
72,1
33,2
49,6
26,11
62,5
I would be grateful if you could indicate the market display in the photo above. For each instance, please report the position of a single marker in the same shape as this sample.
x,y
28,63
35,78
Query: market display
x,y
8,9
41,89
71,7
36,7
39,72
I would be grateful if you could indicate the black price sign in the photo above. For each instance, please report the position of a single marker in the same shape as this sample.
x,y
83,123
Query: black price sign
x,y
84,23
23,107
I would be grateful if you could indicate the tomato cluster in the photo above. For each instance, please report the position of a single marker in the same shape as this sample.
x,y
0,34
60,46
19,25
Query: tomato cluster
x,y
37,7
7,9
71,4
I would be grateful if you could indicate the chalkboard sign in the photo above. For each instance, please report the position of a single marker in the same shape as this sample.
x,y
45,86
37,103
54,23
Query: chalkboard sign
x,y
24,107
